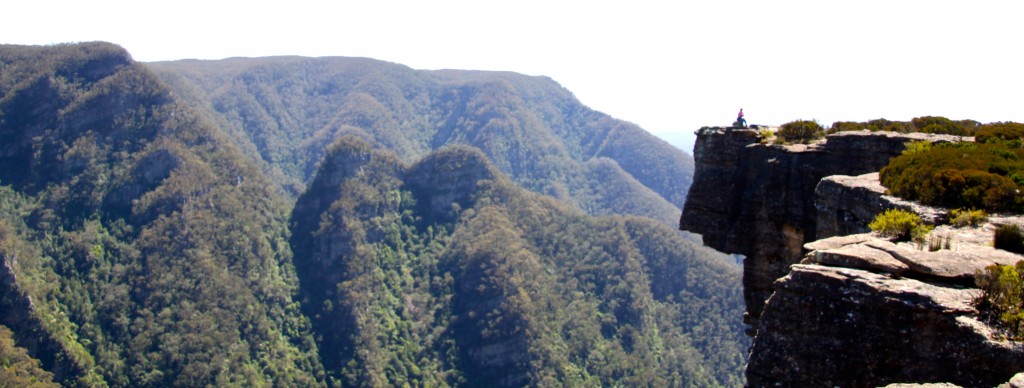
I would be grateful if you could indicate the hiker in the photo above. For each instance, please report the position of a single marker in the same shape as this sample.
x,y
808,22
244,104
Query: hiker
x,y
740,121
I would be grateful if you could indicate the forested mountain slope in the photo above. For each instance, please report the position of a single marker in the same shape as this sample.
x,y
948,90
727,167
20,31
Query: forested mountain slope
x,y
445,272
146,241
286,110
140,248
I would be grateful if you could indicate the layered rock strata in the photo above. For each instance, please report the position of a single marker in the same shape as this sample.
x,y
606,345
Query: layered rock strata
x,y
757,199
864,311
838,326
833,305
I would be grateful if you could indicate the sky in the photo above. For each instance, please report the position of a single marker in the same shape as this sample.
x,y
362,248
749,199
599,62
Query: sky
x,y
670,68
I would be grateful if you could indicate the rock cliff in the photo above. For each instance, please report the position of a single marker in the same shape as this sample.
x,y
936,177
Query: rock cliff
x,y
830,304
757,200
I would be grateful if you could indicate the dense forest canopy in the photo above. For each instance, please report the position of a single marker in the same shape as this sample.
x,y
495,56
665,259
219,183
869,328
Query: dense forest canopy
x,y
489,282
341,222
150,250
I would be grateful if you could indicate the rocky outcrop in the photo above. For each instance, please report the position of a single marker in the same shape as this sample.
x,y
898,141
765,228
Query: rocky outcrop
x,y
847,204
863,311
834,326
833,305
757,199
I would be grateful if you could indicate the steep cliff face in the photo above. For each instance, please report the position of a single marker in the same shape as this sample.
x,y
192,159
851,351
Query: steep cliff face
x,y
758,200
862,311
831,304
835,326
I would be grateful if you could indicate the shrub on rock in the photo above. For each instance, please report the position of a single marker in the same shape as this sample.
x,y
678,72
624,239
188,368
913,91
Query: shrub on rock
x,y
800,131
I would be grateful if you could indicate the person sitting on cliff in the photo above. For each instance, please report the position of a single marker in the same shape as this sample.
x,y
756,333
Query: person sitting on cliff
x,y
740,121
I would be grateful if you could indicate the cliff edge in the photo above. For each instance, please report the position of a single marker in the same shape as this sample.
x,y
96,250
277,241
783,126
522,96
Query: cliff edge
x,y
757,199
829,304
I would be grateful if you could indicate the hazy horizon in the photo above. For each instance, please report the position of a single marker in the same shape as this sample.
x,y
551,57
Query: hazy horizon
x,y
670,69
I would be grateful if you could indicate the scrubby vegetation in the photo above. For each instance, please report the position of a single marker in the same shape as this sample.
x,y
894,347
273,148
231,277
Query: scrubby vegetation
x,y
1002,299
1009,133
17,368
960,175
873,125
900,225
925,124
942,125
800,131
967,217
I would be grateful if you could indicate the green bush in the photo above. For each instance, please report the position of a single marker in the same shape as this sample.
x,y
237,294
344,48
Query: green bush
x,y
1000,132
967,217
942,125
916,146
844,126
1009,237
1002,296
899,224
800,131
960,175
971,188
892,126
873,126
970,126
926,124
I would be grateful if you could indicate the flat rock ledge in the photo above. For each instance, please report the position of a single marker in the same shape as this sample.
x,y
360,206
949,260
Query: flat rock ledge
x,y
869,252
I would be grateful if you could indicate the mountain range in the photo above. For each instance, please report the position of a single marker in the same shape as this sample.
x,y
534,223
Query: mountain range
x,y
285,111
342,222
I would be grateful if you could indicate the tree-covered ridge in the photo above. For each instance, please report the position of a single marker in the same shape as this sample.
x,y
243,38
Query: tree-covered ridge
x,y
286,110
141,246
146,246
445,273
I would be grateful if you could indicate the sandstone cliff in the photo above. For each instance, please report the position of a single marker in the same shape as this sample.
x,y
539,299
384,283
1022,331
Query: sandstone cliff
x,y
757,200
828,303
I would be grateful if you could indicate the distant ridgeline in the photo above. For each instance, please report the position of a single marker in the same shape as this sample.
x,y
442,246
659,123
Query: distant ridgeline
x,y
341,222
285,111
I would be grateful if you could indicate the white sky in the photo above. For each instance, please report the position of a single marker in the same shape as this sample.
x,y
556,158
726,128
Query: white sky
x,y
670,67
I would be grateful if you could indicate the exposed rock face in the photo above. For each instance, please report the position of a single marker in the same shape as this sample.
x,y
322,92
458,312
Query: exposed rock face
x,y
831,304
862,311
830,326
758,200
847,204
